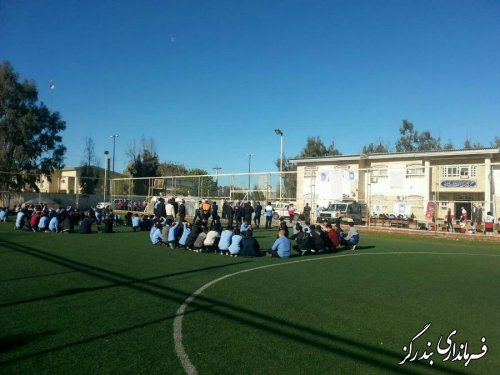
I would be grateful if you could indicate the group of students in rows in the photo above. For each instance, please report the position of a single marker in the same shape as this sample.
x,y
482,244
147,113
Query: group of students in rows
x,y
36,218
200,237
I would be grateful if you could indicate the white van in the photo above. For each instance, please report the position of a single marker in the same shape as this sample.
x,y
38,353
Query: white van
x,y
356,211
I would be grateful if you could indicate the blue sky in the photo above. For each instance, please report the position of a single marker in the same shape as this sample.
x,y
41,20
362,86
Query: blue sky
x,y
211,80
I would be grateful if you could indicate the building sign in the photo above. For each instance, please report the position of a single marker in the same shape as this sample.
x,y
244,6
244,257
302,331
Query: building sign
x,y
429,212
458,183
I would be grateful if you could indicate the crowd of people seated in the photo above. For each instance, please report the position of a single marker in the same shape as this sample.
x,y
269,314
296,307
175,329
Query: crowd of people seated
x,y
39,218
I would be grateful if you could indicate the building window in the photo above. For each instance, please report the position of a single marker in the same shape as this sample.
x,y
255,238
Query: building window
x,y
379,171
462,171
415,170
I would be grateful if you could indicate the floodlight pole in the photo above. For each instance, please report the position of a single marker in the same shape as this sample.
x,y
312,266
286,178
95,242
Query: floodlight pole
x,y
106,156
114,136
280,133
249,164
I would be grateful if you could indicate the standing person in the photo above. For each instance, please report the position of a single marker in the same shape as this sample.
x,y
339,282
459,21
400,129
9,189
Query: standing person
x,y
205,209
176,206
169,210
258,213
229,215
318,211
479,218
182,211
291,212
214,211
464,215
449,222
307,214
281,247
197,211
489,221
269,215
238,213
247,212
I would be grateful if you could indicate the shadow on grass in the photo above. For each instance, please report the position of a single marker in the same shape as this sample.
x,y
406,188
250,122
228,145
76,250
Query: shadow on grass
x,y
37,276
8,343
317,339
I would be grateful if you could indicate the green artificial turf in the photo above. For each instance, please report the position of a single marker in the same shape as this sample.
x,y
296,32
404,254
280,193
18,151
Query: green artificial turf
x,y
106,304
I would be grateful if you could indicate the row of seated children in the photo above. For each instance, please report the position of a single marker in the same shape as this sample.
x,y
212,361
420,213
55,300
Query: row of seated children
x,y
199,237
316,239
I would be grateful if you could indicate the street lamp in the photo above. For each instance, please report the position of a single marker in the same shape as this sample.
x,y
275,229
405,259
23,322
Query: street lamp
x,y
249,164
114,136
106,167
280,133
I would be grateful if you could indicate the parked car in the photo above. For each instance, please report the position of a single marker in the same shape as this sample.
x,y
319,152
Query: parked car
x,y
356,211
281,210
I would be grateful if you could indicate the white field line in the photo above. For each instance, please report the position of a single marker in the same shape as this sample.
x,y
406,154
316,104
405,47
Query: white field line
x,y
179,346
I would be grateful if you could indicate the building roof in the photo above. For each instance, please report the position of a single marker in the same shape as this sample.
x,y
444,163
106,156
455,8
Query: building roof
x,y
401,155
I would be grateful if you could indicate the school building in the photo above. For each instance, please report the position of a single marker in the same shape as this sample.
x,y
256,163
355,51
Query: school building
x,y
405,182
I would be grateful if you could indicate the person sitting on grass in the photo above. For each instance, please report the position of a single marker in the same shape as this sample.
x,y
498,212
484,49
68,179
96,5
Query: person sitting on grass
x,y
191,239
334,237
303,241
54,224
318,239
108,224
198,244
4,213
156,238
245,226
225,241
281,247
136,222
43,224
211,241
172,234
185,233
283,226
235,247
249,245
86,225
352,238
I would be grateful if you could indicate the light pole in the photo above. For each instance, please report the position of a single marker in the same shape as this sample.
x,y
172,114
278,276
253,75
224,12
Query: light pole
x,y
249,164
106,162
217,169
280,133
114,136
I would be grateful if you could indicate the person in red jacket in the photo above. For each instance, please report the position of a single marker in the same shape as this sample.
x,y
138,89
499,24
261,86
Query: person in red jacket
x,y
333,235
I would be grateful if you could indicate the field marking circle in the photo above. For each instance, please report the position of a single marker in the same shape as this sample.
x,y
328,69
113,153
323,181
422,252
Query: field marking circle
x,y
179,316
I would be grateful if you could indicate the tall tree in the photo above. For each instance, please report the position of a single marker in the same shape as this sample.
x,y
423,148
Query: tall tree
x,y
31,144
89,176
375,148
470,144
496,142
143,163
411,140
172,169
203,186
316,148
289,180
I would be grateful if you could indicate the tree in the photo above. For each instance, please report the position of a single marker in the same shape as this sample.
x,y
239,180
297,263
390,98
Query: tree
x,y
31,144
411,140
143,163
316,148
202,186
496,142
448,146
373,148
172,169
289,180
89,176
470,144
